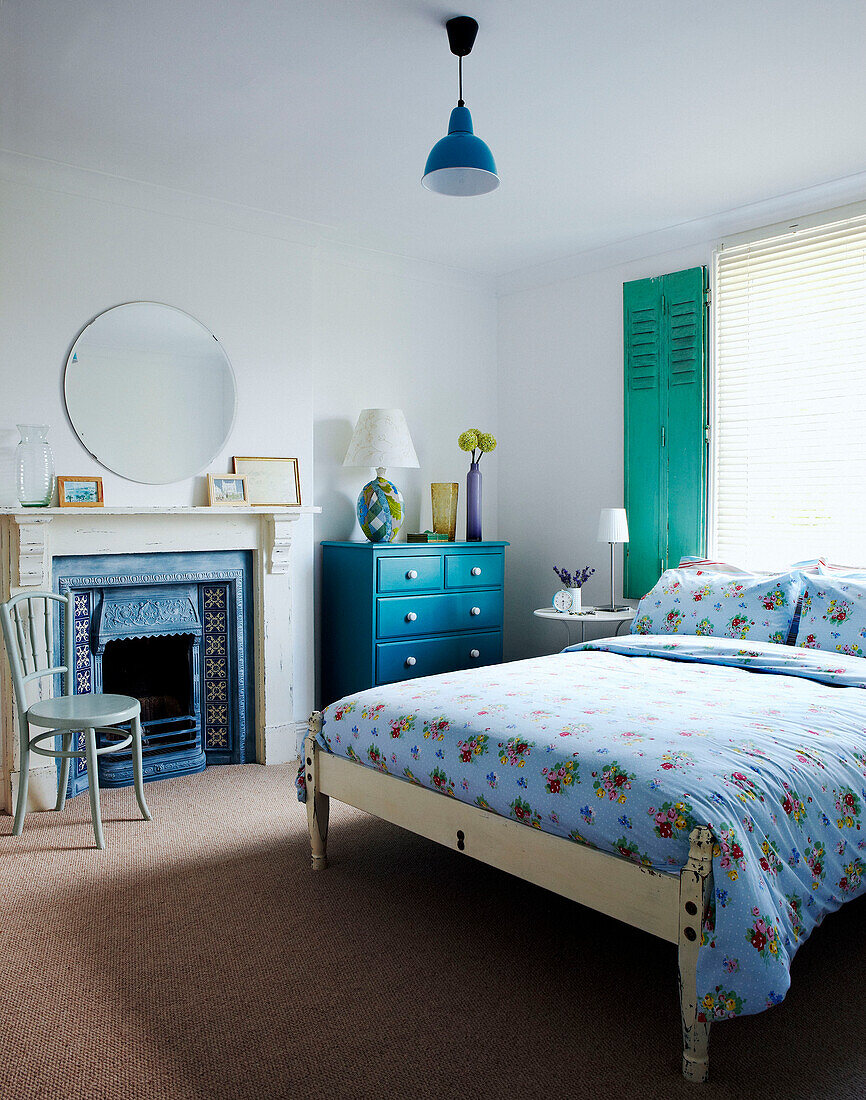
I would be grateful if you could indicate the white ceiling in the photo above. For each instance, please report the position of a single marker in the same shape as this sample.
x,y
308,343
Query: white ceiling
x,y
608,119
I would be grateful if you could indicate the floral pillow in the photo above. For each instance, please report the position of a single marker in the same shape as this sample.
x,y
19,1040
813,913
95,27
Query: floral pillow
x,y
719,606
833,615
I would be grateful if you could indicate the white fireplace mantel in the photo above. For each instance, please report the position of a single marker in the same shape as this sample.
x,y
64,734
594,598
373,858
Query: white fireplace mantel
x,y
30,539
37,529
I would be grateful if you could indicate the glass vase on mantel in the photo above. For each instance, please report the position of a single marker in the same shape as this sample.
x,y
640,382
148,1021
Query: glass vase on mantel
x,y
35,466
473,504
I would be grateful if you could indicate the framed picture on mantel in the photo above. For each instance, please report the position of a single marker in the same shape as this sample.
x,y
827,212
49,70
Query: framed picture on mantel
x,y
225,489
271,482
79,492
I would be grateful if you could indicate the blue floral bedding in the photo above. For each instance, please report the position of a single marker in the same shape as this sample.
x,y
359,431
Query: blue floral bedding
x,y
627,744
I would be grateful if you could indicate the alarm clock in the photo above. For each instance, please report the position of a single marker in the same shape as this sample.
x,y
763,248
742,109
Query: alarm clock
x,y
567,600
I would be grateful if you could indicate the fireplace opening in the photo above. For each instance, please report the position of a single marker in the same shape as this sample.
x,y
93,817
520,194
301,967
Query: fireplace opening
x,y
158,671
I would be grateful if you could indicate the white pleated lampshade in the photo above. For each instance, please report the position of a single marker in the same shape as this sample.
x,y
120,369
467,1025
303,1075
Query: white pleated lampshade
x,y
612,525
381,438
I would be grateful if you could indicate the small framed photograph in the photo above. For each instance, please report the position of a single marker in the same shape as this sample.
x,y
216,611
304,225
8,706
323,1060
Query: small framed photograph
x,y
226,489
271,482
79,492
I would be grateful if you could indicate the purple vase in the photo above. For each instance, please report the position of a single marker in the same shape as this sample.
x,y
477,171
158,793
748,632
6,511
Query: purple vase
x,y
473,504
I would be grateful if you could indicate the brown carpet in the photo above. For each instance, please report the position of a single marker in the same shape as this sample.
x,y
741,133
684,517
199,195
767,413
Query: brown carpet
x,y
199,957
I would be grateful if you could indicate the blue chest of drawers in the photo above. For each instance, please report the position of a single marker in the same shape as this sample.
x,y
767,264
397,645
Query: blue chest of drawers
x,y
391,612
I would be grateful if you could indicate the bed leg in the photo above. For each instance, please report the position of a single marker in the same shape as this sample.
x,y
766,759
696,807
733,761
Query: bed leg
x,y
696,883
317,803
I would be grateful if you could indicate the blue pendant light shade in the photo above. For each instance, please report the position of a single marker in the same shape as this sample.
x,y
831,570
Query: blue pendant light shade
x,y
461,163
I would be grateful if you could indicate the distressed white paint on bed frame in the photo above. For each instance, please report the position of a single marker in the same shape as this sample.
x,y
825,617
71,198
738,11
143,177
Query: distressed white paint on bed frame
x,y
671,906
31,538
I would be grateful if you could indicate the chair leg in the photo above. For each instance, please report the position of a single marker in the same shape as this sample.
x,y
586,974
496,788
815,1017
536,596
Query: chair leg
x,y
138,768
63,782
93,783
23,784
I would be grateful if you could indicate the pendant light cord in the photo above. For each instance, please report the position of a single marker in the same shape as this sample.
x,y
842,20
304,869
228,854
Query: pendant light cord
x,y
460,102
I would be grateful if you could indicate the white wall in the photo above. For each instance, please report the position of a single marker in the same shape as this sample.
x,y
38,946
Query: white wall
x,y
314,333
401,336
560,361
560,351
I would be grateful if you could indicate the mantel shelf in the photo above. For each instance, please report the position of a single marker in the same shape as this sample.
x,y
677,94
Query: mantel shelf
x,y
235,511
139,528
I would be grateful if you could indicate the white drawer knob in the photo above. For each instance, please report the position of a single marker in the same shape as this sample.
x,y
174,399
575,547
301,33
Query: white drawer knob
x,y
410,661
411,617
412,575
473,653
475,611
476,570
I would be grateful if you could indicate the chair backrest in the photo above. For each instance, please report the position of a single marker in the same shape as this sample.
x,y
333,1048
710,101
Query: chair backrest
x,y
28,633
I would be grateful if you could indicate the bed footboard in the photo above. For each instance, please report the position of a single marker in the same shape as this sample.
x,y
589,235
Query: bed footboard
x,y
665,905
696,883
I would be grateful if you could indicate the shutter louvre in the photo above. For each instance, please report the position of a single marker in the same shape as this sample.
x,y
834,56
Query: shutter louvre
x,y
642,334
686,414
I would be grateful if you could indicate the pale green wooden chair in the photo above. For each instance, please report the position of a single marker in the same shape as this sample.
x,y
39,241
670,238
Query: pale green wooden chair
x,y
24,631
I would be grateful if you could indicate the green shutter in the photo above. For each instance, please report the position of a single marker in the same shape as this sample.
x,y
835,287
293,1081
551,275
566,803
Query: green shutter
x,y
685,333
665,423
642,321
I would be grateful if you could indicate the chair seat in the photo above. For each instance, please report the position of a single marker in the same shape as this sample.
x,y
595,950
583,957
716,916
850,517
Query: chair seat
x,y
77,711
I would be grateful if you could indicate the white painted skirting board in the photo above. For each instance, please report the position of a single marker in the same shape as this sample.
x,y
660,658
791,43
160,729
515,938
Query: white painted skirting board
x,y
31,539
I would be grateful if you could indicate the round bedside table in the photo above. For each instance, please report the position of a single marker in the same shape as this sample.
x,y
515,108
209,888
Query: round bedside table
x,y
588,615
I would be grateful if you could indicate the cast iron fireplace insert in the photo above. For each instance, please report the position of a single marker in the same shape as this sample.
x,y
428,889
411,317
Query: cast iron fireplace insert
x,y
158,672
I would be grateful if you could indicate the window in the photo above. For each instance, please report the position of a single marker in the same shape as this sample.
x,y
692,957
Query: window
x,y
789,398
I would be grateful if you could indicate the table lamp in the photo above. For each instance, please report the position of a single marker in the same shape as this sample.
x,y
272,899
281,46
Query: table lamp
x,y
612,528
381,439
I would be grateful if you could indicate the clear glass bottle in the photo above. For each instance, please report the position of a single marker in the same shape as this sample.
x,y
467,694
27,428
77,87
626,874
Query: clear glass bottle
x,y
35,462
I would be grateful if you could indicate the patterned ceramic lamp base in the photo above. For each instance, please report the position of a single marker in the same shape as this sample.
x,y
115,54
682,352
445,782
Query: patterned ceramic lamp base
x,y
380,510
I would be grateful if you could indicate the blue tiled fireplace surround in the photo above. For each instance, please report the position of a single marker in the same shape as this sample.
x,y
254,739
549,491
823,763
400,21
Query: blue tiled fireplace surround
x,y
201,602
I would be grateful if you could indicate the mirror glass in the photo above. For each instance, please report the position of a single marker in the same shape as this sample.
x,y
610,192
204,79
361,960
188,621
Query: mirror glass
x,y
150,392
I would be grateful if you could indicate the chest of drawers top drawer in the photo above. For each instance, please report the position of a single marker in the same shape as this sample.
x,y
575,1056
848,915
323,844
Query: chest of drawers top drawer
x,y
409,574
474,570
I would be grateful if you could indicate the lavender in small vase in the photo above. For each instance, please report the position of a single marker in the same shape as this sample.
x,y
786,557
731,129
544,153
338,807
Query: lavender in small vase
x,y
570,598
577,579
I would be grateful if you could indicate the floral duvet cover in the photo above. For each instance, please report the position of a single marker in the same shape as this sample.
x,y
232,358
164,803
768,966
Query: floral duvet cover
x,y
627,744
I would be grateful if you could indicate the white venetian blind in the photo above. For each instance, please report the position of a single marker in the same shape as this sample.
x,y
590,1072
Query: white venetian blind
x,y
790,398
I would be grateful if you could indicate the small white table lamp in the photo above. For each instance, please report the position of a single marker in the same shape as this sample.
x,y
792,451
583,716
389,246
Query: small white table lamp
x,y
381,439
612,528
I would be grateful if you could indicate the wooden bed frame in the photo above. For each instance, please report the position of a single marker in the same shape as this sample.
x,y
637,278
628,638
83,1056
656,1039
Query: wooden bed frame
x,y
671,906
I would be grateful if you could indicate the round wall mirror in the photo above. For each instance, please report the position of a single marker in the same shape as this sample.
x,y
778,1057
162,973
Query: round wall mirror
x,y
150,392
